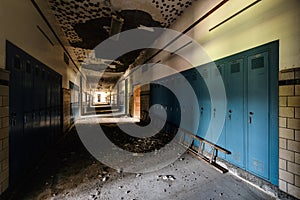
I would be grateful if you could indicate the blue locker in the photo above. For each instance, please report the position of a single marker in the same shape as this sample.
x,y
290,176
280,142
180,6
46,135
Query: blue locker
x,y
175,103
187,103
235,134
222,138
171,102
195,83
204,103
29,151
27,102
251,124
16,135
258,115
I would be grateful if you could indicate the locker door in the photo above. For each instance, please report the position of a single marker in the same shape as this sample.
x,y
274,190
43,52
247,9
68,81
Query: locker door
x,y
36,98
43,106
187,103
48,107
235,141
258,103
60,107
52,107
204,103
222,139
16,158
36,107
28,114
195,82
56,107
175,108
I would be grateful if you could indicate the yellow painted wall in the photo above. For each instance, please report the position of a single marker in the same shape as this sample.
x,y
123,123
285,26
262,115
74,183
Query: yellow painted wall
x,y
266,21
18,24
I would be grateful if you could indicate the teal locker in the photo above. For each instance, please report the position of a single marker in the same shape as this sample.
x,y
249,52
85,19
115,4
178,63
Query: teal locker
x,y
235,134
222,138
258,114
204,103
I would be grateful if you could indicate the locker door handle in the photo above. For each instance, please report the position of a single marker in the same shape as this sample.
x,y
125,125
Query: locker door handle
x,y
215,112
13,120
201,112
25,119
250,117
229,116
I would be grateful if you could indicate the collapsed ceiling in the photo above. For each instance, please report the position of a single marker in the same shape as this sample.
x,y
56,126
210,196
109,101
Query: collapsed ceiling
x,y
86,23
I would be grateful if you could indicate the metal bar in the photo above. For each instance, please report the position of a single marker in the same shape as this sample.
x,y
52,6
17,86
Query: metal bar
x,y
234,15
189,28
181,47
53,32
45,35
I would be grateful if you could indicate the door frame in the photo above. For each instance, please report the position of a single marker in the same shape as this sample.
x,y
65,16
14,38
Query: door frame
x,y
136,92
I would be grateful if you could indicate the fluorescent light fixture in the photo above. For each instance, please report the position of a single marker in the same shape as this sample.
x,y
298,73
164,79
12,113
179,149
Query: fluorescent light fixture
x,y
112,66
116,27
142,27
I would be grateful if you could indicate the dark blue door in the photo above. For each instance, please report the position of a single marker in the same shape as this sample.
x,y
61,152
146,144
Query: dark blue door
x,y
28,100
235,134
16,134
257,113
28,112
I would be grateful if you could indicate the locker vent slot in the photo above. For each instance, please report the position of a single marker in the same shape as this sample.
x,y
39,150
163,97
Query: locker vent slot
x,y
17,62
194,76
37,70
235,68
258,165
257,63
28,67
205,74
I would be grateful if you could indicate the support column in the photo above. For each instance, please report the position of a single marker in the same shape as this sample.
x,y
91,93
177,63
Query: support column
x,y
289,131
66,108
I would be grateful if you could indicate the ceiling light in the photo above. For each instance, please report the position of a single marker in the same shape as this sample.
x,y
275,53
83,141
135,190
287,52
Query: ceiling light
x,y
112,66
142,27
116,26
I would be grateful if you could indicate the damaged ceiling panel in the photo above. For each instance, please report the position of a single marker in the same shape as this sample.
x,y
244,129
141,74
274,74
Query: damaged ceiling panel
x,y
86,23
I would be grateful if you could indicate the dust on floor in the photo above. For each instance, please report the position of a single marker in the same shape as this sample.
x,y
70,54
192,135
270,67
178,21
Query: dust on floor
x,y
70,172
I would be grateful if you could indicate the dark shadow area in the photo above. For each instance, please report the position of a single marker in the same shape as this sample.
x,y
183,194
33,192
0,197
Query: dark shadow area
x,y
59,171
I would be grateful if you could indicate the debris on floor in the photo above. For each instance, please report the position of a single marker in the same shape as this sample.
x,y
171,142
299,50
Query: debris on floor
x,y
69,172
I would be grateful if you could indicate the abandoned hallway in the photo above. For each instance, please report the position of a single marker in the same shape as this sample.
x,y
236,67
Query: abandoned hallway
x,y
149,99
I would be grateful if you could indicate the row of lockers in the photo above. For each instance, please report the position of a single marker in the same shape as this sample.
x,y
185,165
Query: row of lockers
x,y
250,130
75,102
35,110
78,108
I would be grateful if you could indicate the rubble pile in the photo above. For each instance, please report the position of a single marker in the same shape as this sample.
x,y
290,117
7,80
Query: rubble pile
x,y
134,144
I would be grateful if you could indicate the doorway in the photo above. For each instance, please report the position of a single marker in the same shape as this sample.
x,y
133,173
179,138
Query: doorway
x,y
137,101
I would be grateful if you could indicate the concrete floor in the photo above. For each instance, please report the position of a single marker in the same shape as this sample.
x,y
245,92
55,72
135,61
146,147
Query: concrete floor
x,y
70,172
